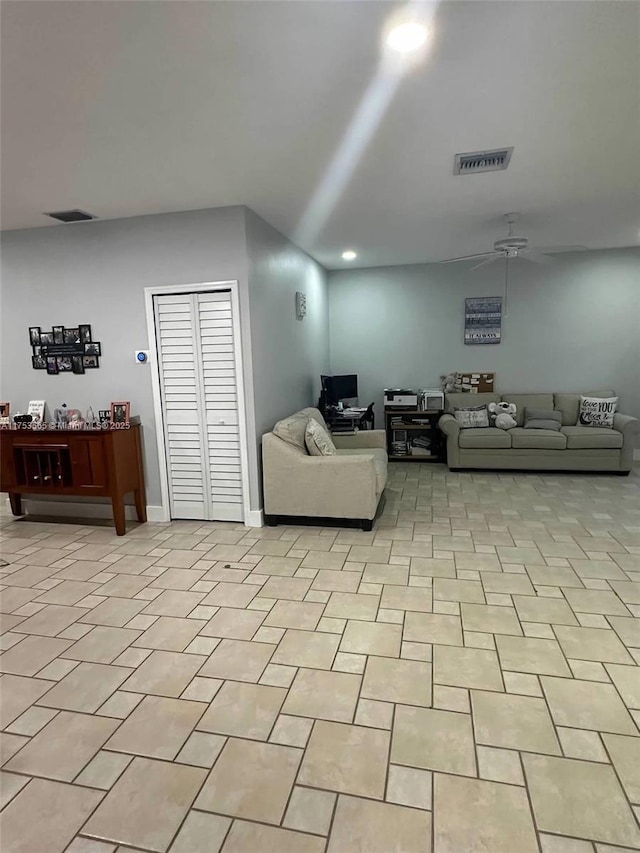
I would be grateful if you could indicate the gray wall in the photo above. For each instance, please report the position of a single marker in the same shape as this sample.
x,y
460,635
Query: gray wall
x,y
288,354
570,326
96,272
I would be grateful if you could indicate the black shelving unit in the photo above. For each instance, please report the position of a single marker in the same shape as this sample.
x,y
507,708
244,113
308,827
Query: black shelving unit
x,y
413,435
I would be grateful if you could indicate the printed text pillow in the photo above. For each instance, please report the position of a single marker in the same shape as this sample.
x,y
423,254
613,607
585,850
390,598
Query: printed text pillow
x,y
597,411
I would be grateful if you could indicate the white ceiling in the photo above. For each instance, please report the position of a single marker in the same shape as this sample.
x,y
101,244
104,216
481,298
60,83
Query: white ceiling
x,y
127,108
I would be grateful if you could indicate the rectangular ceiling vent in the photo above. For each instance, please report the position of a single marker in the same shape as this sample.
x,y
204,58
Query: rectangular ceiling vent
x,y
71,215
482,161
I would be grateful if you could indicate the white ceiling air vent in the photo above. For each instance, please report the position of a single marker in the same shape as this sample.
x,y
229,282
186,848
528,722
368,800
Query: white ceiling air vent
x,y
482,161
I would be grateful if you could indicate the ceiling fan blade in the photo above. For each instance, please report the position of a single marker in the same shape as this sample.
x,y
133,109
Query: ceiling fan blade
x,y
536,257
550,250
468,257
487,261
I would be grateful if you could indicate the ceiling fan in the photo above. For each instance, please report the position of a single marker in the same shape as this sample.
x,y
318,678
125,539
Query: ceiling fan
x,y
514,246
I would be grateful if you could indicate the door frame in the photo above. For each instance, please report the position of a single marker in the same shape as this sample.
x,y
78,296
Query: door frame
x,y
200,287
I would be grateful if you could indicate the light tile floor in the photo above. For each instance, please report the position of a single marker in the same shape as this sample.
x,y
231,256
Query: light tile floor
x,y
464,679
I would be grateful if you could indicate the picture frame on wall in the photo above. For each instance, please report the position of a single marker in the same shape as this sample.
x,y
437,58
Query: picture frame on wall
x,y
39,362
77,363
46,339
58,334
71,336
84,330
89,362
92,348
483,320
120,412
34,335
52,365
64,364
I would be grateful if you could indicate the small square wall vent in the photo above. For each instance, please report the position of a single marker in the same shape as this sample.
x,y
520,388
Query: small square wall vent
x,y
482,161
71,215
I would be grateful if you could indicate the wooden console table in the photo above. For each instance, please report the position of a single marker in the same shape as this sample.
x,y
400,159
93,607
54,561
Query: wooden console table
x,y
79,463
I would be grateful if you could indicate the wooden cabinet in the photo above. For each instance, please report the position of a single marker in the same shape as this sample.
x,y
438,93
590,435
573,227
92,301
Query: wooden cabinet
x,y
89,463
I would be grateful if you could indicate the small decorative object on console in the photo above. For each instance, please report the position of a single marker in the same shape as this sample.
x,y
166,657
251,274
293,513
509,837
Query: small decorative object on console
x,y
20,419
36,410
75,419
502,414
61,416
120,412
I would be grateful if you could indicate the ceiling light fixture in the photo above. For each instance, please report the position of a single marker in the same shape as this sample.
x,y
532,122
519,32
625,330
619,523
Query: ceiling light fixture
x,y
407,38
349,255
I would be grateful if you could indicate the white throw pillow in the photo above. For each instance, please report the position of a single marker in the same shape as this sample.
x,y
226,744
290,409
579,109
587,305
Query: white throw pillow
x,y
472,417
318,440
597,411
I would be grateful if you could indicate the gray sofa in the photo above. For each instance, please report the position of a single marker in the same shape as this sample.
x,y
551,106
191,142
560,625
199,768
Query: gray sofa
x,y
347,485
573,448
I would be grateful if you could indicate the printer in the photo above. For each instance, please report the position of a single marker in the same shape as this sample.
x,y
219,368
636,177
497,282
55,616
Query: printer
x,y
404,398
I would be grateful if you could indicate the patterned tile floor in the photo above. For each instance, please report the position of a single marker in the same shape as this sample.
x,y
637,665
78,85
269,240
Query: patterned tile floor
x,y
465,679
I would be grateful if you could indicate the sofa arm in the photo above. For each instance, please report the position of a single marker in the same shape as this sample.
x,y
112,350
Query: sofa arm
x,y
630,429
626,424
341,486
450,426
362,439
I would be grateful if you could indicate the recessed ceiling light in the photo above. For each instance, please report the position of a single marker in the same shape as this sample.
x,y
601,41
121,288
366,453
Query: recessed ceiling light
x,y
408,37
349,255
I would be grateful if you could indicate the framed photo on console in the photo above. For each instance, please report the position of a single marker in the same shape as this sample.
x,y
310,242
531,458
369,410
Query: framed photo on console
x,y
120,412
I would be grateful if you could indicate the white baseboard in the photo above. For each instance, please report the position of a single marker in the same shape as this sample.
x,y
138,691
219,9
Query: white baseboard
x,y
255,518
157,513
80,509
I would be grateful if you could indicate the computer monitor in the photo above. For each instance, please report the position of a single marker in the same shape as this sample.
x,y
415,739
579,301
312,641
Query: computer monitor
x,y
336,388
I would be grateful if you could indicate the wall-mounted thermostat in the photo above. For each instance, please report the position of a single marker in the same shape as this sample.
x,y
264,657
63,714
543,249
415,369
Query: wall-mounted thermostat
x,y
142,356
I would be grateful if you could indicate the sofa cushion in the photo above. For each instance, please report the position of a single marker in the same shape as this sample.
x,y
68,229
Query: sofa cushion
x,y
485,437
569,404
538,439
582,437
292,430
533,401
379,463
458,400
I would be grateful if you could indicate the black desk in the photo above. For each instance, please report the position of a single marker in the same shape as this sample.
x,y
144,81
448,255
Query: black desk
x,y
338,421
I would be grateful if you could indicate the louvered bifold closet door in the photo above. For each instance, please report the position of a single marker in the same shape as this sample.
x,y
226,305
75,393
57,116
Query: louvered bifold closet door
x,y
181,391
221,415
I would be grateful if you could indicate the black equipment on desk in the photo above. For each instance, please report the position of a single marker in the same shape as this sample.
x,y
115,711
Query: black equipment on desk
x,y
337,388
